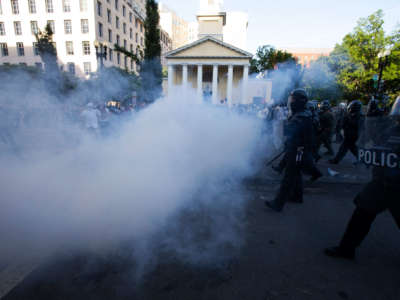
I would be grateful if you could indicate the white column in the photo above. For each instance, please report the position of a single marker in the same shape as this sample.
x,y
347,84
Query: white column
x,y
229,85
215,85
170,79
200,82
185,75
245,84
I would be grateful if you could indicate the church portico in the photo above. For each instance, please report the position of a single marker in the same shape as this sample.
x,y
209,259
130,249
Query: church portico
x,y
217,71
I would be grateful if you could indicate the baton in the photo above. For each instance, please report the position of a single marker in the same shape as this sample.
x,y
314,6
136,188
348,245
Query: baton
x,y
274,159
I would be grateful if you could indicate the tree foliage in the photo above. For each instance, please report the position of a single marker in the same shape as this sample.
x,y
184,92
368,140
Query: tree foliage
x,y
355,61
267,58
151,69
46,49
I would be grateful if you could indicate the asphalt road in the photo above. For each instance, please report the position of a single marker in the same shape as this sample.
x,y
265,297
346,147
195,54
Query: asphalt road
x,y
282,257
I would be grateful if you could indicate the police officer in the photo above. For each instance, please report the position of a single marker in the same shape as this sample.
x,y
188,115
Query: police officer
x,y
352,126
340,113
298,151
373,122
380,194
327,123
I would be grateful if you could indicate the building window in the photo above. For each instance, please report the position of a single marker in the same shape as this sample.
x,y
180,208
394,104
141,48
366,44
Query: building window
x,y
100,29
67,26
130,33
125,44
35,49
87,68
39,65
49,6
83,4
123,10
34,27
99,8
141,41
124,28
110,54
109,16
15,7
2,29
20,49
17,28
130,17
136,23
52,25
131,64
116,22
137,37
4,49
141,27
86,48
32,6
125,62
116,4
118,39
1,9
71,68
131,48
69,48
110,35
67,5
84,25
118,58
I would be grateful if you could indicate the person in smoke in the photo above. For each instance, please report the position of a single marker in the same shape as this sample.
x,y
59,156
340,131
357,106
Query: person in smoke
x,y
298,151
340,113
381,194
90,117
352,127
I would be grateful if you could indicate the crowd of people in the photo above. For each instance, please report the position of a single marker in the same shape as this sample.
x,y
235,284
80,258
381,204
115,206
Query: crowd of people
x,y
310,126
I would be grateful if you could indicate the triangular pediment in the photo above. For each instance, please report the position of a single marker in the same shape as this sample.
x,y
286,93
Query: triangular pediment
x,y
208,47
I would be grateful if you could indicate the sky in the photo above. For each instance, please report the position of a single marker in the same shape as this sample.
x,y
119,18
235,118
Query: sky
x,y
300,24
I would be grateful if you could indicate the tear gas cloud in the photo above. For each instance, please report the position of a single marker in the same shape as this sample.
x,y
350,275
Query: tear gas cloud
x,y
170,178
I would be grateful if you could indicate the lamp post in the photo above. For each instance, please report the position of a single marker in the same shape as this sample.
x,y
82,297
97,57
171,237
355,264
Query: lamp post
x,y
383,61
101,53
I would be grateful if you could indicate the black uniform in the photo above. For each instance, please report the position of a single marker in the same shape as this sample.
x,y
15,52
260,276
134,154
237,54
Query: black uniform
x,y
327,123
380,194
352,126
374,123
298,152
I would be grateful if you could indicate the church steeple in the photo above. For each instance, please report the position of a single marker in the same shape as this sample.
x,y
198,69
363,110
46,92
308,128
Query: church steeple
x,y
211,6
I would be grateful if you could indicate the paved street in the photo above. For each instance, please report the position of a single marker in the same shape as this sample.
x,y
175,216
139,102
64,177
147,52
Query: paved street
x,y
282,257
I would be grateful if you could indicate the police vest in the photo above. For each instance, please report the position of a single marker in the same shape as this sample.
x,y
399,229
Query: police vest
x,y
379,157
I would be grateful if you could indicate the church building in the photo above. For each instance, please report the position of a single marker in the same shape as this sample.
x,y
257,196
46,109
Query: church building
x,y
217,70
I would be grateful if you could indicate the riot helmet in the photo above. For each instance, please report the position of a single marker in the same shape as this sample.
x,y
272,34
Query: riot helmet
x,y
395,113
325,105
311,106
342,106
297,101
354,107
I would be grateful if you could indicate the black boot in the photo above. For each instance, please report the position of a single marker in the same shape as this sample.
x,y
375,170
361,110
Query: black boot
x,y
338,252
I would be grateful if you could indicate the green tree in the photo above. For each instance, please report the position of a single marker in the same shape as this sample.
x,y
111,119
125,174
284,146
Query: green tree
x,y
46,49
267,58
151,69
355,61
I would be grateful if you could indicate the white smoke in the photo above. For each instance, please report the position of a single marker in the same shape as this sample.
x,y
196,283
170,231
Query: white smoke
x,y
171,175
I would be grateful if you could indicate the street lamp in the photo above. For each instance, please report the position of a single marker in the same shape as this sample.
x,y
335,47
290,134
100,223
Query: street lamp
x,y
382,64
101,53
